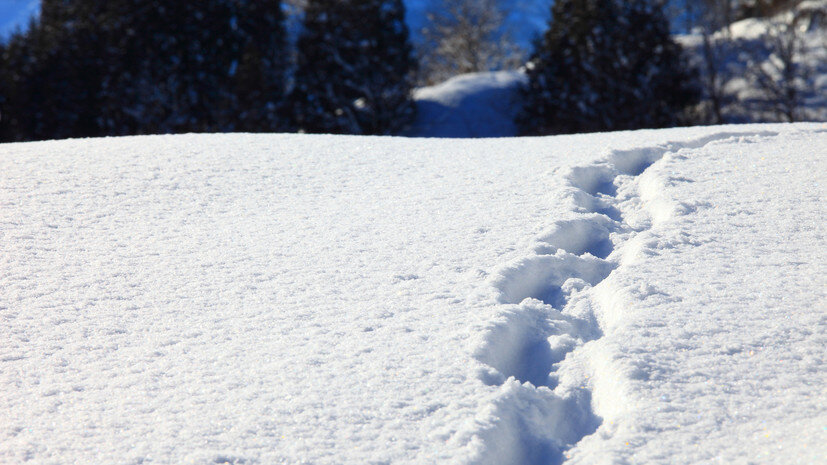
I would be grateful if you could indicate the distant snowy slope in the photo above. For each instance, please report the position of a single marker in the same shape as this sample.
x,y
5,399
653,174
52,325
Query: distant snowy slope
x,y
637,297
751,45
470,105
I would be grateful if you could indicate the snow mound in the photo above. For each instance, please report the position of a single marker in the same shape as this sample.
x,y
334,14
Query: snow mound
x,y
470,105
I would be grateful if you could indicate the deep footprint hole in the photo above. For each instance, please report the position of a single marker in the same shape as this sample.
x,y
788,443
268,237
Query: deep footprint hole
x,y
638,169
634,162
538,361
610,212
579,237
601,248
554,296
595,180
605,188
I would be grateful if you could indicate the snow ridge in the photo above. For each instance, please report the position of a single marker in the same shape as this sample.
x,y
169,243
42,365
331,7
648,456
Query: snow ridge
x,y
557,303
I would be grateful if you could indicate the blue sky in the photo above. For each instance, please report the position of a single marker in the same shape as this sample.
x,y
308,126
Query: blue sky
x,y
15,13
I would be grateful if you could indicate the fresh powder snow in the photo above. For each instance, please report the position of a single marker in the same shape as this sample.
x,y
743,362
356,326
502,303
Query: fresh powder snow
x,y
636,297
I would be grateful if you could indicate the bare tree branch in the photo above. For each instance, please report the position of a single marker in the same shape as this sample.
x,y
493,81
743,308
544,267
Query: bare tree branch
x,y
465,36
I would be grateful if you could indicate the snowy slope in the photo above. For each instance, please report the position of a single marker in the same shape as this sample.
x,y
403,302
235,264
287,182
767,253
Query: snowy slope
x,y
750,45
469,105
321,299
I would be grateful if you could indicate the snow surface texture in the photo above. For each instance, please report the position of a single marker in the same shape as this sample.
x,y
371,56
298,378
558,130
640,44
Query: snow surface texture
x,y
639,297
470,105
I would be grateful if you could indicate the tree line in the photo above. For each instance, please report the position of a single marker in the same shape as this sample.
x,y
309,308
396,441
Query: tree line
x,y
88,68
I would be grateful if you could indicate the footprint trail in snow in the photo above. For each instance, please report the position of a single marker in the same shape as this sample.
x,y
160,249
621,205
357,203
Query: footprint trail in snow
x,y
557,301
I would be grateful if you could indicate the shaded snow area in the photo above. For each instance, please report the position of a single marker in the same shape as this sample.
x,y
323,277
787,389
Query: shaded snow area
x,y
469,105
748,51
639,297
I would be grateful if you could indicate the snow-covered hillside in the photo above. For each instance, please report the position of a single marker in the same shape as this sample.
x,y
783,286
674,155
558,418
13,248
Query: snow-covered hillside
x,y
766,66
641,297
469,105
485,104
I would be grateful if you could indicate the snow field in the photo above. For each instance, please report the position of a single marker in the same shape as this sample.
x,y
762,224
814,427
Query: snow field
x,y
261,298
734,280
644,297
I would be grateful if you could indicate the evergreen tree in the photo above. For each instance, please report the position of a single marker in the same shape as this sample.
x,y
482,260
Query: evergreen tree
x,y
43,90
20,81
606,65
175,68
216,65
261,71
91,68
355,64
68,58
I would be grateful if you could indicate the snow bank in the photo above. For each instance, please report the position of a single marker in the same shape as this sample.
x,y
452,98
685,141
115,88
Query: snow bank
x,y
640,297
470,105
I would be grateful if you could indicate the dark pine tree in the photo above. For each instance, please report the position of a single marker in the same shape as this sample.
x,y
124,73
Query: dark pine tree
x,y
261,71
606,65
173,66
20,81
216,65
92,68
51,75
355,68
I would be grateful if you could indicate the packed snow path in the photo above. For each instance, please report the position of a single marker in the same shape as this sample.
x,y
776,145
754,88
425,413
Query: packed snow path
x,y
318,299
